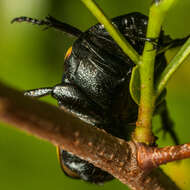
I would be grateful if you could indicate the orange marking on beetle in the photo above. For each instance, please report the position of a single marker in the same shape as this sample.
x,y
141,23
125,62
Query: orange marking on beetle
x,y
68,53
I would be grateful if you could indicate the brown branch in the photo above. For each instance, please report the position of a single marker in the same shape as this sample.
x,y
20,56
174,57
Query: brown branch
x,y
152,157
109,153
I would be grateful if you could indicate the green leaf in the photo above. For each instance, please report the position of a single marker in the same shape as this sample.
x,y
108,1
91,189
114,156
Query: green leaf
x,y
172,67
134,85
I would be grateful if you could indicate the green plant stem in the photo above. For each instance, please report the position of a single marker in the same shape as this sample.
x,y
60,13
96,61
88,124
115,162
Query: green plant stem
x,y
113,31
143,132
176,62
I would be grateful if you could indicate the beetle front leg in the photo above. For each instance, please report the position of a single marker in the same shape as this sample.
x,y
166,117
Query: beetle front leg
x,y
73,100
169,43
51,22
38,92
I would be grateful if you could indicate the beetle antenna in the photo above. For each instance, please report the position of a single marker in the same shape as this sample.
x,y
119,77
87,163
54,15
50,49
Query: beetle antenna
x,y
39,92
50,22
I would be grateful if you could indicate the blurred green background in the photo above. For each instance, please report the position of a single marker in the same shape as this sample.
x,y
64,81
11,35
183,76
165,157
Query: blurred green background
x,y
30,58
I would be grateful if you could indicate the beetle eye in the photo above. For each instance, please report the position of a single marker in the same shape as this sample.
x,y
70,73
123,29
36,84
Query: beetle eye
x,y
68,53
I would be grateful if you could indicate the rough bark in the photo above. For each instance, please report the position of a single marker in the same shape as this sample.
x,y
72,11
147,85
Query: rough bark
x,y
152,157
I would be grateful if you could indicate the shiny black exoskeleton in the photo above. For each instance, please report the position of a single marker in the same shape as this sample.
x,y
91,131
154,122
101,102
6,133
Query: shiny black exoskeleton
x,y
95,85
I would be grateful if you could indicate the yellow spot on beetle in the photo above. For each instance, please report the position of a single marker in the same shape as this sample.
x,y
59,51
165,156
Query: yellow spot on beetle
x,y
68,53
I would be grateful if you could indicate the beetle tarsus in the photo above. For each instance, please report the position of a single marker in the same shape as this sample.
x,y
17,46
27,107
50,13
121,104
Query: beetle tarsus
x,y
30,20
177,42
154,41
39,92
170,43
50,22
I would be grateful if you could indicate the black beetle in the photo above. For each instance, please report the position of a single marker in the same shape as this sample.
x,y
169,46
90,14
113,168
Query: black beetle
x,y
95,85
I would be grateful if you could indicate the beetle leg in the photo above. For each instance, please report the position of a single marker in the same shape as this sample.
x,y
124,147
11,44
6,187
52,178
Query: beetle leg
x,y
51,22
71,99
39,92
177,42
154,41
168,43
146,39
167,123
